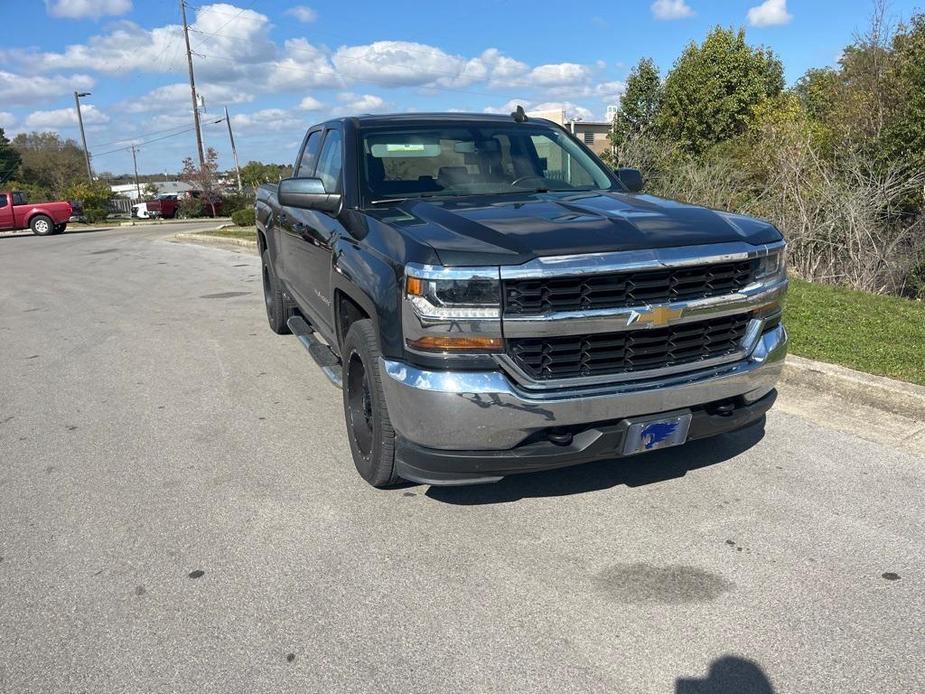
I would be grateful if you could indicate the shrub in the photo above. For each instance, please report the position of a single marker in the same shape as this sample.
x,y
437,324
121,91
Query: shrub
x,y
244,218
94,197
236,201
190,207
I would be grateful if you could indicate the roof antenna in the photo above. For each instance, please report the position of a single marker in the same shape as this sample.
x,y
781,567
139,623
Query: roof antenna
x,y
518,115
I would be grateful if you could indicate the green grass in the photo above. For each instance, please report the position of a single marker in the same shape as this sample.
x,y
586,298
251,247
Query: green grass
x,y
882,335
249,233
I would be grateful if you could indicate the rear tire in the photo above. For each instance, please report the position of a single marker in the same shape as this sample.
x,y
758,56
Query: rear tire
x,y
372,438
279,308
42,225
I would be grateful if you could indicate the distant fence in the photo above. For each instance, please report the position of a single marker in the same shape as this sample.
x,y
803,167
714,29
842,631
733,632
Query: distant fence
x,y
120,204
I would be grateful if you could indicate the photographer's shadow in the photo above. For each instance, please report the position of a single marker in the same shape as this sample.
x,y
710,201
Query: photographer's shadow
x,y
728,675
635,471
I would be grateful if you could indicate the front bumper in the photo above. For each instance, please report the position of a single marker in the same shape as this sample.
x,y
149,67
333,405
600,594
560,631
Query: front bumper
x,y
487,412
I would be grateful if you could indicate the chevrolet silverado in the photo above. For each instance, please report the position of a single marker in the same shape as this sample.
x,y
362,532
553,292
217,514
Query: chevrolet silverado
x,y
492,299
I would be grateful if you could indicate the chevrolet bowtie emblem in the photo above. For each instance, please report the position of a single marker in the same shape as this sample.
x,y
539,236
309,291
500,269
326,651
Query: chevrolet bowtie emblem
x,y
661,315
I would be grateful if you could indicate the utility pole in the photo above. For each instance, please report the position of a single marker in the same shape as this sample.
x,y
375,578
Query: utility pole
x,y
135,164
83,137
234,151
192,86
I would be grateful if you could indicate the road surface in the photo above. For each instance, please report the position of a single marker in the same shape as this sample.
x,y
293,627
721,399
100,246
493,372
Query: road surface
x,y
179,513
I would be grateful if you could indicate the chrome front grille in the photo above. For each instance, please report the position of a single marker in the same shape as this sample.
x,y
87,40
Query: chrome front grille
x,y
542,295
627,351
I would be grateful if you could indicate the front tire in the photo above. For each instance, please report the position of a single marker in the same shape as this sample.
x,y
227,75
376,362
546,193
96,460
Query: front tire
x,y
279,308
372,438
42,225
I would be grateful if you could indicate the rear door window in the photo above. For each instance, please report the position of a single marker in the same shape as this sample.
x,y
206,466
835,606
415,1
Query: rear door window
x,y
19,198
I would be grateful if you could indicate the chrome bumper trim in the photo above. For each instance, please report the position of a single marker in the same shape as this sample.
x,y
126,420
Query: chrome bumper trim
x,y
485,410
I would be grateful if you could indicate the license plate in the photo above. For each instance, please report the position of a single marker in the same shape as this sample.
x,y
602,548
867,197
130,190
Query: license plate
x,y
653,434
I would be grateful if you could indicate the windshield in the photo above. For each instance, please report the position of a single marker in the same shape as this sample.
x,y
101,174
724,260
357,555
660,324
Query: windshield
x,y
453,160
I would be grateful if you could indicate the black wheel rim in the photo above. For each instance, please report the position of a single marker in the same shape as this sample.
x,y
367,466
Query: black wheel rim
x,y
360,405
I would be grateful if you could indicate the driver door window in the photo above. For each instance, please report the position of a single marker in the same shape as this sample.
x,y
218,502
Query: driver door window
x,y
309,156
331,162
2,200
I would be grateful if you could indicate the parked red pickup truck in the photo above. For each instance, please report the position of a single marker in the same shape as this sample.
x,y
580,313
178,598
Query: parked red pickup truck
x,y
43,218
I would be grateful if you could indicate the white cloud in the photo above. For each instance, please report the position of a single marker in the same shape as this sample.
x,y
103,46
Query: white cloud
x,y
269,119
304,66
671,9
558,74
20,90
572,111
304,14
769,13
228,50
362,103
7,119
396,63
65,117
171,97
310,103
82,9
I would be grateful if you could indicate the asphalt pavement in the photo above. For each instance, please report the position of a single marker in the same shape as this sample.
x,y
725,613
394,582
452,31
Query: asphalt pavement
x,y
179,513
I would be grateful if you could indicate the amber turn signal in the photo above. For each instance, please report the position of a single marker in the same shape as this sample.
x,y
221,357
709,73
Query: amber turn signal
x,y
445,343
414,286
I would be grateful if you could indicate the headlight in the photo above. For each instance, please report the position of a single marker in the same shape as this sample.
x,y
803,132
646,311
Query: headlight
x,y
772,265
474,297
452,310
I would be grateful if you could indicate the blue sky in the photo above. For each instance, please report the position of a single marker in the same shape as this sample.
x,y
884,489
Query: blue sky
x,y
280,65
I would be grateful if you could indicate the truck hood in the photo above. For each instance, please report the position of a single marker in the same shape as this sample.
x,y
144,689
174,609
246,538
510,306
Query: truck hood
x,y
509,229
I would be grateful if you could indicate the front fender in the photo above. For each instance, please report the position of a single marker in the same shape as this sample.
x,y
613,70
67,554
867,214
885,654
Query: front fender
x,y
372,282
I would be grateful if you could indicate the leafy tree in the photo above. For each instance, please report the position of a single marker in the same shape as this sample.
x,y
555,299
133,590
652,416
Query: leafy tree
x,y
149,192
9,158
255,173
202,179
819,90
639,103
34,192
904,132
94,197
709,95
48,161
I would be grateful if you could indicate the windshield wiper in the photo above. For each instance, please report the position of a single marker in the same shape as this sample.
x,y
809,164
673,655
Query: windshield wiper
x,y
383,201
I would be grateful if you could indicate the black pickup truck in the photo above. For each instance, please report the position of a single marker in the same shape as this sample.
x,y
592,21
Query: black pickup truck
x,y
493,299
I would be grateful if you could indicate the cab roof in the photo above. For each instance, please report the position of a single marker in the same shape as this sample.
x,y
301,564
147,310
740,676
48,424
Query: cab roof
x,y
368,119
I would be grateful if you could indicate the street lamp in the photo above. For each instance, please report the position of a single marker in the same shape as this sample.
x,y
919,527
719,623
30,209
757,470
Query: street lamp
x,y
83,138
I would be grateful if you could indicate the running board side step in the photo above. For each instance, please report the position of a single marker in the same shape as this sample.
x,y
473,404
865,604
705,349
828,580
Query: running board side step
x,y
326,360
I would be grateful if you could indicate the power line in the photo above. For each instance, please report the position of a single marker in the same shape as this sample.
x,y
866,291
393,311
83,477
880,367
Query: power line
x,y
155,139
152,132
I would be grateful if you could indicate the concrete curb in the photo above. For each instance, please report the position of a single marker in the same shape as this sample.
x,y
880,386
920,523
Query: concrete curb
x,y
886,394
209,240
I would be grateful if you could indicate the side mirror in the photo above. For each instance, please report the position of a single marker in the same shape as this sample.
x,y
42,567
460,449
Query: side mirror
x,y
307,194
630,178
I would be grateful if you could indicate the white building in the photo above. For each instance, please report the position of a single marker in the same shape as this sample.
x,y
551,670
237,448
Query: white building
x,y
128,190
